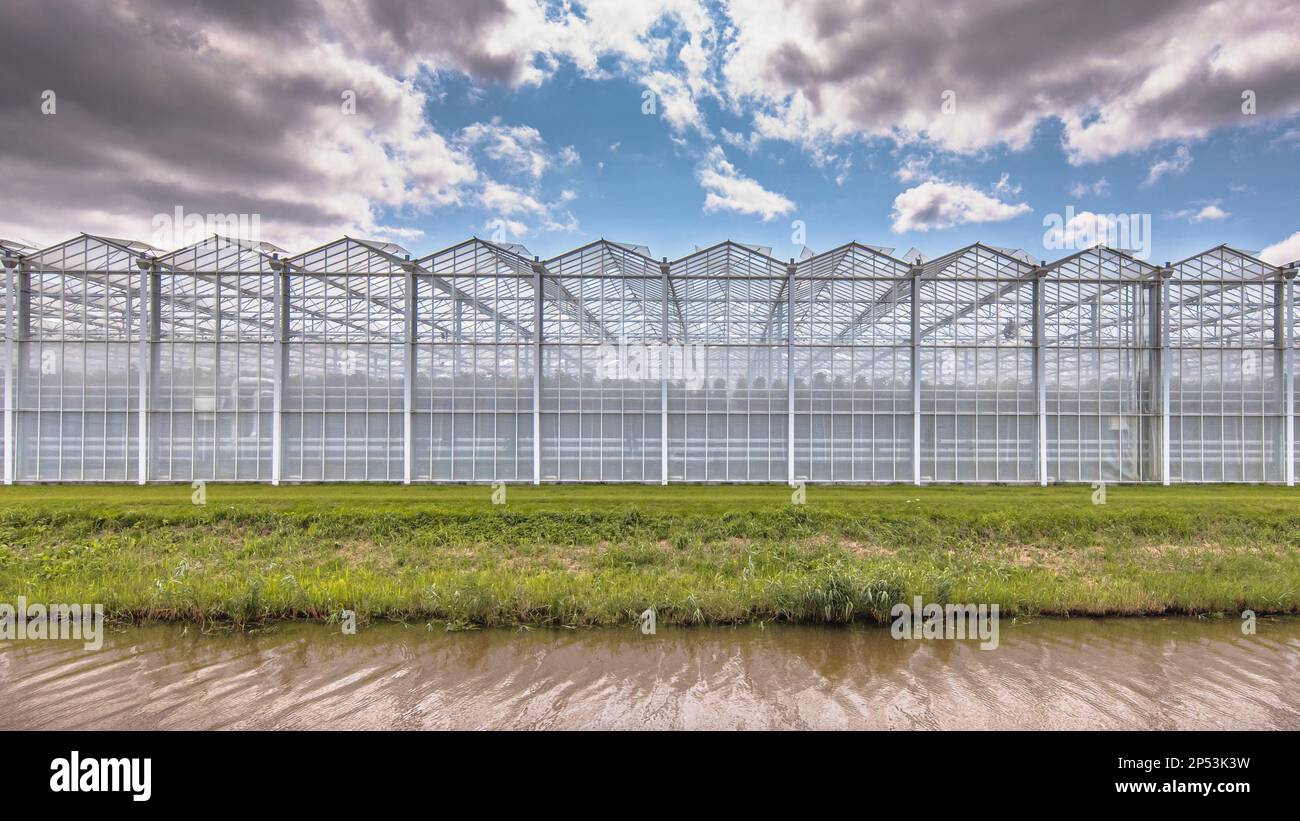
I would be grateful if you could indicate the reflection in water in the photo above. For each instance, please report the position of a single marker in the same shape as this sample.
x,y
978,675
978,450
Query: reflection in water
x,y
1050,674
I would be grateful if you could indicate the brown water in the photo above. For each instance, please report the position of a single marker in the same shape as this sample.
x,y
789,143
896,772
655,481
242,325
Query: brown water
x,y
1050,674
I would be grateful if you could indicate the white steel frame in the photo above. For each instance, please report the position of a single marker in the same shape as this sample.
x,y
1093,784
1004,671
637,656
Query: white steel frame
x,y
232,360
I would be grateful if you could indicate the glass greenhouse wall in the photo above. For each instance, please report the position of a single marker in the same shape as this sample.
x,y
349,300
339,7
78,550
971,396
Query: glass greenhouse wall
x,y
236,361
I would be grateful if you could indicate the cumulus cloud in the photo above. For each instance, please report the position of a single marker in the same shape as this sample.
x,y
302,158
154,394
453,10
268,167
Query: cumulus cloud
x,y
914,167
514,205
506,199
1100,188
727,189
745,142
518,42
1084,229
838,69
158,107
1203,211
676,103
938,204
569,156
1286,139
1209,213
1284,252
236,107
1087,229
519,146
1177,163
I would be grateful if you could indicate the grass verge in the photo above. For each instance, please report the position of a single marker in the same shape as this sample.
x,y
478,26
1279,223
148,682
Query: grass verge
x,y
600,555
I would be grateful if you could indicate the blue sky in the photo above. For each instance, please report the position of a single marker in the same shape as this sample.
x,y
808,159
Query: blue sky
x,y
636,181
927,124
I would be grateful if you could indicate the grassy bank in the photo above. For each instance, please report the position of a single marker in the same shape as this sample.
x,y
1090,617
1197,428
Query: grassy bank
x,y
576,555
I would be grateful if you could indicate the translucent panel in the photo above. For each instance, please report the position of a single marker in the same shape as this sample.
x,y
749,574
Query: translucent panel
x,y
1100,368
1227,360
729,294
975,331
585,391
232,360
475,292
336,446
473,447
218,289
473,370
86,288
727,416
852,367
211,411
459,390
76,446
722,447
227,447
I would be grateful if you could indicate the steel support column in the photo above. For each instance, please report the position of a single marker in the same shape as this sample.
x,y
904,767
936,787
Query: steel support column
x,y
11,264
664,361
1162,299
149,331
1040,378
538,270
916,374
789,368
1288,374
281,365
408,373
155,361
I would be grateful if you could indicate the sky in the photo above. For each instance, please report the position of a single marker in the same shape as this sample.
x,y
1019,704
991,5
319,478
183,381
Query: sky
x,y
674,124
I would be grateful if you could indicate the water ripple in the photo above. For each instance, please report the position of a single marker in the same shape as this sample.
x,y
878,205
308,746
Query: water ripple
x,y
1050,674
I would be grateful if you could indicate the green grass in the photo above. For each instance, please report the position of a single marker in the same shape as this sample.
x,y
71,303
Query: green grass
x,y
597,555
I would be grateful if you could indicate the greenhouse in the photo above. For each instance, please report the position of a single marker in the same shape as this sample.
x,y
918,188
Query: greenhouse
x,y
233,360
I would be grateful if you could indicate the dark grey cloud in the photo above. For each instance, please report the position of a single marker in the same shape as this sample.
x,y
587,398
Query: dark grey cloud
x,y
1121,74
227,107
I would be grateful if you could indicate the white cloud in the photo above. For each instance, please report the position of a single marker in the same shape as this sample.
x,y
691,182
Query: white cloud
x,y
676,103
519,147
938,204
1074,232
500,229
1084,224
506,199
514,205
569,156
1201,212
1179,162
828,70
820,74
1003,186
745,142
1100,188
1283,252
729,190
1286,139
251,103
1210,213
523,151
915,167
